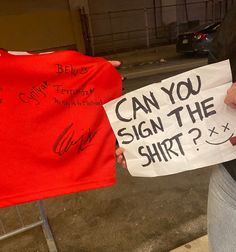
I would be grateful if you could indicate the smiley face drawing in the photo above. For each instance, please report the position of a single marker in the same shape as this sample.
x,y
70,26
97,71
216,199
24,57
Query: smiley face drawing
x,y
214,132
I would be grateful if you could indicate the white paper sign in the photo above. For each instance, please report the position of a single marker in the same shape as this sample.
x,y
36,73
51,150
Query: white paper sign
x,y
177,125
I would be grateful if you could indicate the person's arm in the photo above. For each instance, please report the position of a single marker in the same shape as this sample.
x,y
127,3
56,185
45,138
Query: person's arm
x,y
230,98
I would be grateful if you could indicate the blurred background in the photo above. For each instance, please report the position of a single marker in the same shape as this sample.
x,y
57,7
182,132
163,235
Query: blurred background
x,y
102,26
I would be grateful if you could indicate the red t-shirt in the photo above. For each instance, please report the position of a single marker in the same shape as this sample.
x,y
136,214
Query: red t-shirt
x,y
55,137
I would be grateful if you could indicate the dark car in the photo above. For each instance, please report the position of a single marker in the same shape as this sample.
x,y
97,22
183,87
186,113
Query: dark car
x,y
198,40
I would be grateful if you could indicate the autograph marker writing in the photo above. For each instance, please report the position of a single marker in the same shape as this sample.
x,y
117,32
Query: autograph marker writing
x,y
67,139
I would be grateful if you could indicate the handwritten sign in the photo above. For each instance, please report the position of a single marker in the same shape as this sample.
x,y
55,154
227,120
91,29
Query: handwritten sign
x,y
179,124
53,126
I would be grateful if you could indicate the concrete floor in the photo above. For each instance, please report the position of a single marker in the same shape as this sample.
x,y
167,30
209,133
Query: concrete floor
x,y
137,214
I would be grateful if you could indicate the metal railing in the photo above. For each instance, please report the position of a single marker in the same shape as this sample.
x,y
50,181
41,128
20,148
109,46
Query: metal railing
x,y
25,227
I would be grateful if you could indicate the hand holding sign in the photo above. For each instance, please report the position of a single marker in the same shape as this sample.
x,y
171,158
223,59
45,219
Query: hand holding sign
x,y
172,126
230,98
120,157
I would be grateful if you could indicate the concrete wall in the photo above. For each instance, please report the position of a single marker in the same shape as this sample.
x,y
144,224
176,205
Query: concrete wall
x,y
113,5
117,18
195,10
203,11
120,25
169,11
123,24
35,25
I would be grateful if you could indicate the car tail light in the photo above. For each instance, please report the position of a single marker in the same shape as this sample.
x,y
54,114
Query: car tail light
x,y
199,36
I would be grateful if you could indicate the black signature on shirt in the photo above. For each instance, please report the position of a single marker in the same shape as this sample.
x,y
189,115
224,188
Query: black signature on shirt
x,y
68,139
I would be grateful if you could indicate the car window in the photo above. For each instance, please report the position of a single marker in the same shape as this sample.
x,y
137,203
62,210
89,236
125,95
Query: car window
x,y
206,28
212,28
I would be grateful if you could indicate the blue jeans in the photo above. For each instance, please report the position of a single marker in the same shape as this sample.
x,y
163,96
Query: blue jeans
x,y
222,211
